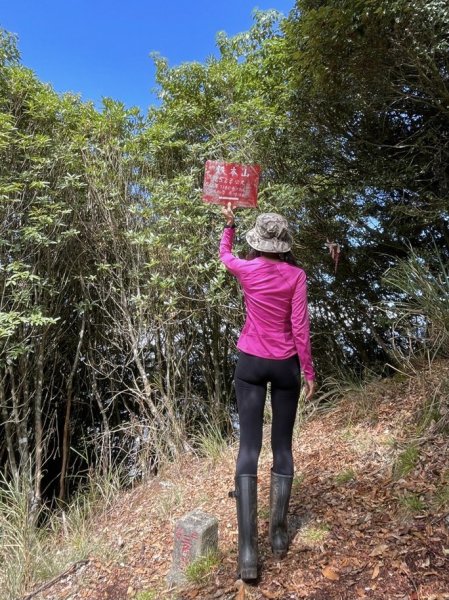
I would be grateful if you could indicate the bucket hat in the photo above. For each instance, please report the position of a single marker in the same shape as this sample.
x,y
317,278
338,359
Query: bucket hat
x,y
270,234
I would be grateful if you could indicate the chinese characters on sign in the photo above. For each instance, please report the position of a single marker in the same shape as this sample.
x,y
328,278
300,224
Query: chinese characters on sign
x,y
185,540
231,182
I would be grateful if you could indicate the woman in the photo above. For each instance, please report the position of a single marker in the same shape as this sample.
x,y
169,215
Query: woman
x,y
274,344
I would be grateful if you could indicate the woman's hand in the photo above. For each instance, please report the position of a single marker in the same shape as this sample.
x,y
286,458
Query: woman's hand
x,y
228,213
310,388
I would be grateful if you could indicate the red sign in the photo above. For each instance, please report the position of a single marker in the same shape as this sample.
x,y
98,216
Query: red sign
x,y
231,182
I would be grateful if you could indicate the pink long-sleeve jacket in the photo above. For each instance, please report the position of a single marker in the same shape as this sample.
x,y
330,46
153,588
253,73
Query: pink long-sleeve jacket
x,y
277,320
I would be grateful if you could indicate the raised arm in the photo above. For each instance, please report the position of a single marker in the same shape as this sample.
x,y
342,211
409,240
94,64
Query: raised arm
x,y
232,263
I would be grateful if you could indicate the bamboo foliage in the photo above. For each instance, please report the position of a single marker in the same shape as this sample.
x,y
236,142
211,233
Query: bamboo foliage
x,y
117,322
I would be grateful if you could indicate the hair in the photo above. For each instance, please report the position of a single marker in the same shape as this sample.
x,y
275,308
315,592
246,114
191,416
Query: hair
x,y
287,257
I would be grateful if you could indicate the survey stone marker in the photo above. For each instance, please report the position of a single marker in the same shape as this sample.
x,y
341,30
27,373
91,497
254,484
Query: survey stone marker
x,y
196,534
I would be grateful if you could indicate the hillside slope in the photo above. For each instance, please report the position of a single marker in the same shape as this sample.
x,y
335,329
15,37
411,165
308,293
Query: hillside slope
x,y
369,510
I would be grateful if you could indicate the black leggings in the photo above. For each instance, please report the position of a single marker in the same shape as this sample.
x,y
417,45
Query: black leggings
x,y
251,377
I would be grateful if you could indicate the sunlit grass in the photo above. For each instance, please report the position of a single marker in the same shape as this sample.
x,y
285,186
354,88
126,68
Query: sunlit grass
x,y
345,476
314,533
211,441
406,461
411,503
202,568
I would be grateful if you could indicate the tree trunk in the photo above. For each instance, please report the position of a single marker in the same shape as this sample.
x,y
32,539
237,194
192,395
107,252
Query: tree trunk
x,y
38,433
8,432
68,412
19,411
105,458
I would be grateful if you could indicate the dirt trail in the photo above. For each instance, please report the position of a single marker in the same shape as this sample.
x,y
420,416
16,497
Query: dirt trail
x,y
369,511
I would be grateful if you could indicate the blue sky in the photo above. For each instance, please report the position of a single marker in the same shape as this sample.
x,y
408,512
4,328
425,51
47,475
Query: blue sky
x,y
101,48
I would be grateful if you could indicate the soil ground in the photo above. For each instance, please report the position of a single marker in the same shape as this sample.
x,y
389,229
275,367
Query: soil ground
x,y
368,514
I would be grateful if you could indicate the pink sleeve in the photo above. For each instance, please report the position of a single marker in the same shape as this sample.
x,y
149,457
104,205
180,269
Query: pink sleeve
x,y
232,263
300,327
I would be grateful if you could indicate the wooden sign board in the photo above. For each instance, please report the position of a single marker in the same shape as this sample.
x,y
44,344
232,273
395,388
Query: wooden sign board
x,y
231,182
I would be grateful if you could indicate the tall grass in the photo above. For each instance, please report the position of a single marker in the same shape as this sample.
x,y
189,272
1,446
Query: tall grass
x,y
22,552
211,440
421,312
346,383
36,544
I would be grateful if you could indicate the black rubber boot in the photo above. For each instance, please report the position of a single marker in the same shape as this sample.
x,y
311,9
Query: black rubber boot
x,y
246,498
280,489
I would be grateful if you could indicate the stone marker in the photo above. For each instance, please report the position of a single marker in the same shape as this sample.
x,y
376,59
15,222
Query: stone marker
x,y
196,534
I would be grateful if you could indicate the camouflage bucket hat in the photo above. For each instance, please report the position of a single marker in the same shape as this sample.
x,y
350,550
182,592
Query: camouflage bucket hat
x,y
270,234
